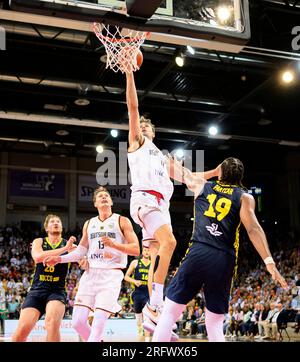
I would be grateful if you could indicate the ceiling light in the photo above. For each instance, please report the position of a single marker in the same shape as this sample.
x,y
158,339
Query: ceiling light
x,y
82,102
288,76
223,13
179,153
99,148
62,132
179,61
114,133
213,130
191,50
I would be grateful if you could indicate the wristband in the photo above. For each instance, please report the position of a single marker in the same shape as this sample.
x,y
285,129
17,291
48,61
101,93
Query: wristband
x,y
269,260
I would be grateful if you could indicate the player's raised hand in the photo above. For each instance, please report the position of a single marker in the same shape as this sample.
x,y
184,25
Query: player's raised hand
x,y
70,243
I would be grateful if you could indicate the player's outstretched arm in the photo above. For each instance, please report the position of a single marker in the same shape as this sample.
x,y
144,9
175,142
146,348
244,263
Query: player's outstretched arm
x,y
258,237
135,136
73,256
193,180
38,254
132,246
206,175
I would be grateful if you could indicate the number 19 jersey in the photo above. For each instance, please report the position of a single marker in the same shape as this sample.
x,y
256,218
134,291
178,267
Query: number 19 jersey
x,y
217,216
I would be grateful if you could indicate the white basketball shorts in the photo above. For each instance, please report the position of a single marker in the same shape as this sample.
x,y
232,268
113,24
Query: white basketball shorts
x,y
100,288
149,214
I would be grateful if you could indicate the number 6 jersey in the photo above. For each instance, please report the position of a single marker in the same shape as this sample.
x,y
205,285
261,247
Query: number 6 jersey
x,y
98,255
217,216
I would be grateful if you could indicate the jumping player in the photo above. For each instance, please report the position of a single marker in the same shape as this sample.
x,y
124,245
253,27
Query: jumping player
x,y
150,199
107,239
47,293
220,207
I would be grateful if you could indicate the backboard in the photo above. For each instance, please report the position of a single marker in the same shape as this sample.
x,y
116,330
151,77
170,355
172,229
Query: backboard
x,y
214,24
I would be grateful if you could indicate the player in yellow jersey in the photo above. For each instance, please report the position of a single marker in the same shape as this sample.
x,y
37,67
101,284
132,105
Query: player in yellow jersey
x,y
47,293
137,274
220,207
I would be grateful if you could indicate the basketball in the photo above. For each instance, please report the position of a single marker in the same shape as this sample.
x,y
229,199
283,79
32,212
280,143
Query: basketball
x,y
139,59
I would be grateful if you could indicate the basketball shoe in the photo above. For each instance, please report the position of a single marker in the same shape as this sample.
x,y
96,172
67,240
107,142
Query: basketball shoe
x,y
151,317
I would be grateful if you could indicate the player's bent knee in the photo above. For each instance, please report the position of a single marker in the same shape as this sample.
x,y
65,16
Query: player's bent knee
x,y
52,323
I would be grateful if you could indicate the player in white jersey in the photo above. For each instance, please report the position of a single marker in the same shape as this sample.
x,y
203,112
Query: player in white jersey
x,y
106,240
150,199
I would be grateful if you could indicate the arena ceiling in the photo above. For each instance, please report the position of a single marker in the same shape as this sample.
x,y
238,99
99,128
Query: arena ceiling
x,y
44,71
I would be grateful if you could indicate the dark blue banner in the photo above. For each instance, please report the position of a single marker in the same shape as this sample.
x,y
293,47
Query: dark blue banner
x,y
37,184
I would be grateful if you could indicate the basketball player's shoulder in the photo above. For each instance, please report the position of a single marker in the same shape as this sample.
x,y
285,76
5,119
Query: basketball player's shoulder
x,y
135,262
88,221
246,197
38,241
123,220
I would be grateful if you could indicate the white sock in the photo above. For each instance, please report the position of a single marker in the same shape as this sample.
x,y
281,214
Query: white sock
x,y
170,314
157,296
214,326
80,321
100,318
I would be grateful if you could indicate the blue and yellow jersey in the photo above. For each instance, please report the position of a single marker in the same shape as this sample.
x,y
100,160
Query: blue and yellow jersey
x,y
50,277
141,273
217,216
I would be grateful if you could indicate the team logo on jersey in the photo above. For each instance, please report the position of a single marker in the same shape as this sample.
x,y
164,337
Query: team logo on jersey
x,y
153,152
111,226
213,229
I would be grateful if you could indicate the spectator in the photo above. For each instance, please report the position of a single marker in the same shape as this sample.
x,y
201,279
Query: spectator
x,y
13,309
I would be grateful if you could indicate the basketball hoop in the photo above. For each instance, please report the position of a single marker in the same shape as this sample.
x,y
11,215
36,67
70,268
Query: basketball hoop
x,y
121,49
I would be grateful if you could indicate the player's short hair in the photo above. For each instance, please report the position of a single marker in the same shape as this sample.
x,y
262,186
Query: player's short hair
x,y
232,171
148,120
48,217
98,190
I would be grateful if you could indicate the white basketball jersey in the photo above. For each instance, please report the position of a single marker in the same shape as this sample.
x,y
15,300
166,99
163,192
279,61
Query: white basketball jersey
x,y
149,171
100,256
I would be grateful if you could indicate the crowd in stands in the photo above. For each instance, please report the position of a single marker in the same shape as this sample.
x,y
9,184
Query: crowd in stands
x,y
256,301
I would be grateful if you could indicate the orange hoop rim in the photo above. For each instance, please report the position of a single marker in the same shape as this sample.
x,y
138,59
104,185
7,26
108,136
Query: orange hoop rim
x,y
121,40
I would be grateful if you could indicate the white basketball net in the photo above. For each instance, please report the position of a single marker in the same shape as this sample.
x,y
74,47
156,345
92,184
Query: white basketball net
x,y
121,49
